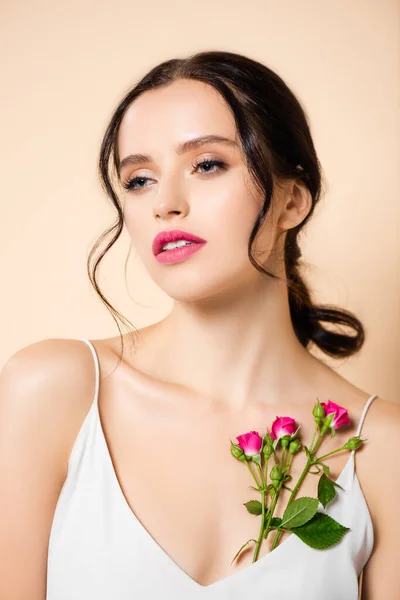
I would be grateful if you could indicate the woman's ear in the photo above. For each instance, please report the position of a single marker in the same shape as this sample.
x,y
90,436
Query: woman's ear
x,y
296,204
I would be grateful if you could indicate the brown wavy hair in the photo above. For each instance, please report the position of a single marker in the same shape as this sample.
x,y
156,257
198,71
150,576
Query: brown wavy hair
x,y
275,135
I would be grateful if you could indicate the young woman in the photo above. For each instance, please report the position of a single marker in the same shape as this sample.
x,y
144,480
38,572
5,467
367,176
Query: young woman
x,y
116,475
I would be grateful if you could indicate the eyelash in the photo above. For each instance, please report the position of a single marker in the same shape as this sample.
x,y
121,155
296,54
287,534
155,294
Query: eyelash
x,y
130,184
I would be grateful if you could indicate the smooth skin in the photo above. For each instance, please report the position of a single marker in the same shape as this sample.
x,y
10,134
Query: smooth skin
x,y
223,362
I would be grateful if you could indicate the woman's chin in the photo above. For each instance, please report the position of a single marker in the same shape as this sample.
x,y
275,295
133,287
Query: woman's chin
x,y
195,288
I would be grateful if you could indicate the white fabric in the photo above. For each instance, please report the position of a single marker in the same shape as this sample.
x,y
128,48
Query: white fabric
x,y
99,550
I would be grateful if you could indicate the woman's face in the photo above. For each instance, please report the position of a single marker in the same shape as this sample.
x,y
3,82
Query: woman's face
x,y
218,203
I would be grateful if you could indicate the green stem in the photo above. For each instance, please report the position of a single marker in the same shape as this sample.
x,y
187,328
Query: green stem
x,y
265,471
272,509
258,544
317,444
292,497
252,473
283,458
289,463
329,454
261,476
313,437
276,458
300,481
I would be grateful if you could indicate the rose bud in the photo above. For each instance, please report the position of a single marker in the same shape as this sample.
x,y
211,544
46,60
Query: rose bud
x,y
283,426
268,448
353,443
276,476
294,446
285,441
237,452
326,423
318,412
250,443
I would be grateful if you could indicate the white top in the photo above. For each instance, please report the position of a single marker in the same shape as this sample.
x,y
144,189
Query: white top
x,y
99,550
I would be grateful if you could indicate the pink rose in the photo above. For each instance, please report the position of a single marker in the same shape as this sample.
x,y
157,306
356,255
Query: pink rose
x,y
250,443
283,426
341,414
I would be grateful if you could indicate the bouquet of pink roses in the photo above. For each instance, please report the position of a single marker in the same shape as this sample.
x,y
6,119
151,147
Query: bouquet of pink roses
x,y
301,515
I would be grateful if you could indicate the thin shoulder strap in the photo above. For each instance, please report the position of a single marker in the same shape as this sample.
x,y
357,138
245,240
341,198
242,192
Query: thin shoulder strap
x,y
96,367
364,412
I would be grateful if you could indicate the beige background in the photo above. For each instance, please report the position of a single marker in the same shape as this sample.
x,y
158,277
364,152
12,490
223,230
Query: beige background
x,y
65,65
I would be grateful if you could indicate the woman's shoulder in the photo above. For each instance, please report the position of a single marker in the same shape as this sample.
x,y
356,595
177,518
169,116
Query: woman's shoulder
x,y
54,380
381,418
45,390
385,415
377,459
381,429
380,411
47,360
379,475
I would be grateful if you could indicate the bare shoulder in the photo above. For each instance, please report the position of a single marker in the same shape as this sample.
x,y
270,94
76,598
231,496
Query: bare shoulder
x,y
380,430
52,382
382,422
387,412
379,475
383,432
45,391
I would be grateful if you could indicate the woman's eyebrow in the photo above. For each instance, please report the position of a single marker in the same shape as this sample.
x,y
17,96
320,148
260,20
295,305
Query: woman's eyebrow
x,y
134,159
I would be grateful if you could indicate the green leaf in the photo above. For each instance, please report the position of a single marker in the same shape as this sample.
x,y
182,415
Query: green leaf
x,y
326,490
299,512
254,507
326,469
241,548
321,531
275,523
256,458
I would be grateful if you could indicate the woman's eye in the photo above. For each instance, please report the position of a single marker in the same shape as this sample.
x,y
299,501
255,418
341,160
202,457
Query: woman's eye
x,y
131,184
211,163
211,166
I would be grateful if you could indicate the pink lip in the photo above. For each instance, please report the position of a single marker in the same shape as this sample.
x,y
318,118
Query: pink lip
x,y
172,236
178,254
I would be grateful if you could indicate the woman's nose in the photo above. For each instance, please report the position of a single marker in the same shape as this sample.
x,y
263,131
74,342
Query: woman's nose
x,y
170,203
